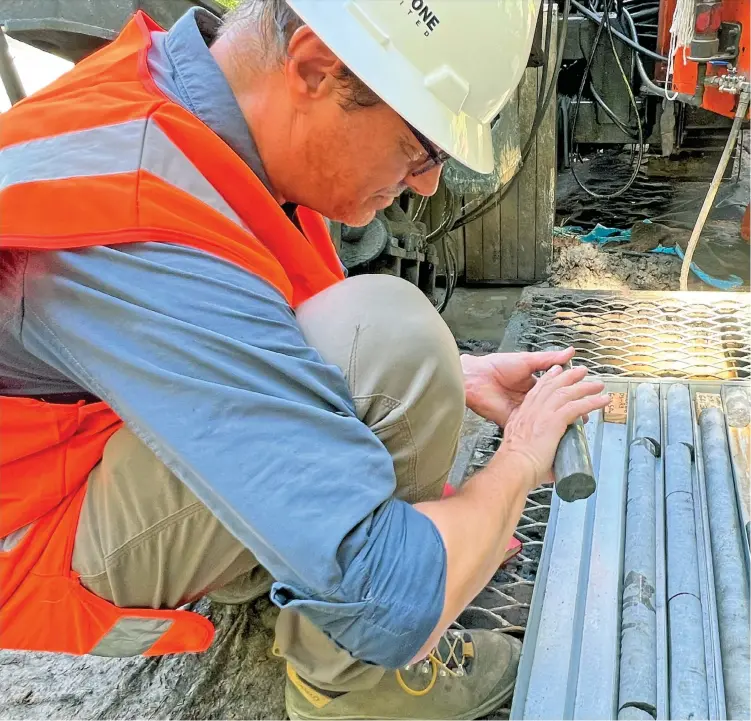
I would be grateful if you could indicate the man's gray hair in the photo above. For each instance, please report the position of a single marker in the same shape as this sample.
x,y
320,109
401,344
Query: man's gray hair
x,y
267,26
273,22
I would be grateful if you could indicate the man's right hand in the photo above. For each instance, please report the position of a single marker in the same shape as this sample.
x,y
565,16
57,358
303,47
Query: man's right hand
x,y
535,428
477,522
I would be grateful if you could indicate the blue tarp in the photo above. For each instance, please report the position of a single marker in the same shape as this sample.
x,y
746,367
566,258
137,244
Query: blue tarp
x,y
602,235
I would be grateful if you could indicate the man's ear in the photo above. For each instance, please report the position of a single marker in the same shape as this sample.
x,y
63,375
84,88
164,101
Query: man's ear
x,y
311,69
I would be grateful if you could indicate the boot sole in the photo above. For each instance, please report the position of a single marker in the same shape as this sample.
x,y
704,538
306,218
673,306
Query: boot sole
x,y
490,705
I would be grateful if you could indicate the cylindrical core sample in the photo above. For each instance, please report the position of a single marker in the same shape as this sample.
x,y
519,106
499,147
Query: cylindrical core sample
x,y
574,477
572,468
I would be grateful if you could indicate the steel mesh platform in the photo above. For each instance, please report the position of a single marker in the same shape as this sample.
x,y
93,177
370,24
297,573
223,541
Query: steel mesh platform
x,y
618,335
504,603
691,336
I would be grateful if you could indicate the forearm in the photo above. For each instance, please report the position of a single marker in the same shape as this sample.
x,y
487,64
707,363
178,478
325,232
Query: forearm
x,y
476,525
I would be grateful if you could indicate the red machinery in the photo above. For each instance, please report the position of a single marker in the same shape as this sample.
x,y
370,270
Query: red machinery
x,y
715,66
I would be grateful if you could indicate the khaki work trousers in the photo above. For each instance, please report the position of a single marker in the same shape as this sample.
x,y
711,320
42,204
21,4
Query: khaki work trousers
x,y
144,540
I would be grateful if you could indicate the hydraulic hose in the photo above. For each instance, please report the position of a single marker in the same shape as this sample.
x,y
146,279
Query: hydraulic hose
x,y
631,132
647,83
595,18
604,23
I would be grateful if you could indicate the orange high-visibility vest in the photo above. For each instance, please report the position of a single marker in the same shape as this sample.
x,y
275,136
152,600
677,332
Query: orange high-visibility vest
x,y
102,157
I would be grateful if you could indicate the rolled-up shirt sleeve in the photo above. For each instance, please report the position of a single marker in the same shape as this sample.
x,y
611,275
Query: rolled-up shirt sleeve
x,y
207,365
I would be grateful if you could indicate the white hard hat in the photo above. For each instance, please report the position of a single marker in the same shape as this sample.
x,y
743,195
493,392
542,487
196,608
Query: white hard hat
x,y
446,66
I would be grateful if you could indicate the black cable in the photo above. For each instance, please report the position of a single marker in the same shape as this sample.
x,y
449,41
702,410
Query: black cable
x,y
620,124
631,132
452,272
543,96
495,198
649,12
447,219
647,83
623,38
605,24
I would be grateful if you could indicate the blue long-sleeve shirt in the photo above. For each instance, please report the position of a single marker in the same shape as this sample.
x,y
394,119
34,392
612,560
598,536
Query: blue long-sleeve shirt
x,y
207,365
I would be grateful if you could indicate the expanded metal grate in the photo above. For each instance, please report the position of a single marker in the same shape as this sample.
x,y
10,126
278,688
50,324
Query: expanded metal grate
x,y
696,336
504,603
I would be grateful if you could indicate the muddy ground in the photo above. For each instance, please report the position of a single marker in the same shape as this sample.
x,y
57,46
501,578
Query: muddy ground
x,y
631,266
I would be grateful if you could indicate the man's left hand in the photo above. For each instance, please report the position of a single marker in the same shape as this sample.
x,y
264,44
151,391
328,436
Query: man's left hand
x,y
497,383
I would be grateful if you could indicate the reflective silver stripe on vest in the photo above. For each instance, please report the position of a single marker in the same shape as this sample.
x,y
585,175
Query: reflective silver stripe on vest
x,y
131,636
13,539
107,150
110,150
161,157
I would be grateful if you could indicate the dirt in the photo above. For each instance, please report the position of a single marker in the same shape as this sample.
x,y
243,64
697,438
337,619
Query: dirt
x,y
237,678
587,266
474,346
648,236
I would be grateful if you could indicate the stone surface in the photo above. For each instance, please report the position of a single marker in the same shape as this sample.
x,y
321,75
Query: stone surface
x,y
237,678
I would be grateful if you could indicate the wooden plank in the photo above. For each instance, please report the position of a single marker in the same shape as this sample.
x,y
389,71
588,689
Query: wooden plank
x,y
458,236
527,182
473,257
546,172
491,244
510,225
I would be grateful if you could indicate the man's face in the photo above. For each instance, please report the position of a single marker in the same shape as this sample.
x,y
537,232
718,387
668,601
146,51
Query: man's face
x,y
319,147
359,160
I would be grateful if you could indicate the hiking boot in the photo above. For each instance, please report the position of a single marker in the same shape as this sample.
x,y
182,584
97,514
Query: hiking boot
x,y
468,675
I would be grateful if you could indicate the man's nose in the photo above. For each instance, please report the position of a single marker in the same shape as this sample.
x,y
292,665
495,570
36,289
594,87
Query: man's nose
x,y
425,183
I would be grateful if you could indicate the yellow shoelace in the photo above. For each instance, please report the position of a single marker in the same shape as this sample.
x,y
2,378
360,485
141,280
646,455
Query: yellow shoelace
x,y
437,664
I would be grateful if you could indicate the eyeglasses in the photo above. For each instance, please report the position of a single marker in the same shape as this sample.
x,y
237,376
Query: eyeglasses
x,y
436,157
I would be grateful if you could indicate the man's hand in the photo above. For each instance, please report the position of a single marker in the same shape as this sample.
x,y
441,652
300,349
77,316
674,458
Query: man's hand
x,y
536,427
496,384
491,501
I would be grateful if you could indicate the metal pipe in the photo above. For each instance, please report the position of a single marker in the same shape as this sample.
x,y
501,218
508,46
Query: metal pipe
x,y
730,574
8,73
638,666
572,467
565,103
714,186
689,698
